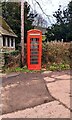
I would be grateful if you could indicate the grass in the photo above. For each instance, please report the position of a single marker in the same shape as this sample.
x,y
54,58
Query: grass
x,y
52,67
58,67
19,69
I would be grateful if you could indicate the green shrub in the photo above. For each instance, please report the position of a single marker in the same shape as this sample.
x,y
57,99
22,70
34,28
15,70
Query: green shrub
x,y
58,67
12,59
55,56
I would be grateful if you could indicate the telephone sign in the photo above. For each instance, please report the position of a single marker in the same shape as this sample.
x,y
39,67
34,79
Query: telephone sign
x,y
34,49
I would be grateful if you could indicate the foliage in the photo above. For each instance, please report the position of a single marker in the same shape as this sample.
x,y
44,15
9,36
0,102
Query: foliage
x,y
58,67
56,52
62,16
53,67
15,52
55,56
28,19
18,69
70,20
11,12
62,29
12,58
39,20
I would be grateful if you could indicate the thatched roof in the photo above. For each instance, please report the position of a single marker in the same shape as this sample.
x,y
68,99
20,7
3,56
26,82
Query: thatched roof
x,y
5,29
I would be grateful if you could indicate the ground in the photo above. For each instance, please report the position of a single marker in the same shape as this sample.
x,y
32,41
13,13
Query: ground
x,y
36,95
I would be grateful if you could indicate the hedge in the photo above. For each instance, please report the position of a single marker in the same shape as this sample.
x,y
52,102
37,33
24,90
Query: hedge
x,y
56,52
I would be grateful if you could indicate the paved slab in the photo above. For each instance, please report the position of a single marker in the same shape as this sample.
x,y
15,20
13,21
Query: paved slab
x,y
63,77
8,75
46,72
2,75
49,110
61,91
48,79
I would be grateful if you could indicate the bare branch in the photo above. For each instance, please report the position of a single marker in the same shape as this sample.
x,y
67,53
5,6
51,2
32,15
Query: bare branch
x,y
43,11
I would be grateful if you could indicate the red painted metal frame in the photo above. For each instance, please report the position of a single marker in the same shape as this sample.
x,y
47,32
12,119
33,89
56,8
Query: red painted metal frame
x,y
34,33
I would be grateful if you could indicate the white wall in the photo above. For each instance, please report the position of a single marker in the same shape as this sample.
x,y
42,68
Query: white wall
x,y
14,42
1,41
6,46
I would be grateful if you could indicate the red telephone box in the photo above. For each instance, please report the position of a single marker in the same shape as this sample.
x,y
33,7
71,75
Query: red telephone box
x,y
34,49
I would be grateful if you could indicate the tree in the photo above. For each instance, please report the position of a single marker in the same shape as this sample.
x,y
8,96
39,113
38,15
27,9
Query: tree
x,y
39,21
29,17
11,12
62,28
61,16
70,21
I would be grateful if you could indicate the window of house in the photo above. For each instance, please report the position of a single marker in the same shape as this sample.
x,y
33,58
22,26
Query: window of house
x,y
4,41
12,42
8,41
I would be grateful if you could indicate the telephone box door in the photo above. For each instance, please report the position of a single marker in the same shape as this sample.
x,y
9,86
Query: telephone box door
x,y
34,49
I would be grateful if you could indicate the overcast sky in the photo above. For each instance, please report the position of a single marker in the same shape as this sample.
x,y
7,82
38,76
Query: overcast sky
x,y
48,6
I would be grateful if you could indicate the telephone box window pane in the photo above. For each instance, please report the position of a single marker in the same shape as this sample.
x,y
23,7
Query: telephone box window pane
x,y
34,57
34,40
33,62
34,50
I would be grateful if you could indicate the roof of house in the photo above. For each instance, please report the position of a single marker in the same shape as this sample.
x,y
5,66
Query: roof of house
x,y
5,28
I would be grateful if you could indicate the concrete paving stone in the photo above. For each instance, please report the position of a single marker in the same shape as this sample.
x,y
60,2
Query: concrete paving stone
x,y
7,86
61,91
12,75
13,85
46,72
2,75
48,79
48,110
1,88
54,76
43,69
0,117
64,77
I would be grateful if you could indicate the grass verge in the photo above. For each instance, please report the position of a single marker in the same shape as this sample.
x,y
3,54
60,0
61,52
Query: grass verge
x,y
45,67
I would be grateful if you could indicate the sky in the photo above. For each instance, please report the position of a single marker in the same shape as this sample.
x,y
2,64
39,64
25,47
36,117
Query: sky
x,y
48,6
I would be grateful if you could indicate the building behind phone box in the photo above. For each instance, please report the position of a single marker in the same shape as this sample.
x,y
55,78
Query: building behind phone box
x,y
7,36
